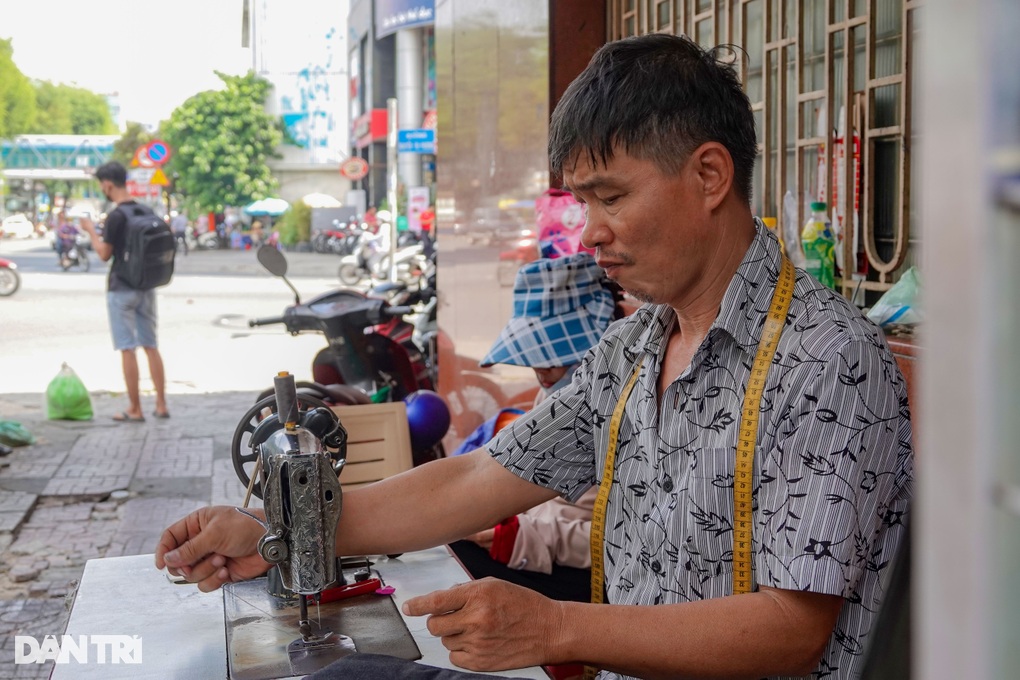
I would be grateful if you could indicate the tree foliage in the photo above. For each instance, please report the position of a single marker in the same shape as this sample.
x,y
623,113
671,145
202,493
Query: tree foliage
x,y
221,141
296,224
135,135
17,96
69,110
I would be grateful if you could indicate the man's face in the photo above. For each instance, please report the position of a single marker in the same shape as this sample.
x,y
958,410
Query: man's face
x,y
649,229
104,186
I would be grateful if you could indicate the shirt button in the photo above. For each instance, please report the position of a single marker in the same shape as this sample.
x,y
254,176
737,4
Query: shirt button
x,y
667,485
656,567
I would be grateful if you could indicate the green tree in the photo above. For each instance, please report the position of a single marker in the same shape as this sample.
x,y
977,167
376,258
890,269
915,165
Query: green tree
x,y
17,97
70,110
135,135
296,224
221,141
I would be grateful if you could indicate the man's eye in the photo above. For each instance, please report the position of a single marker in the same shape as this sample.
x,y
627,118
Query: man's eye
x,y
609,200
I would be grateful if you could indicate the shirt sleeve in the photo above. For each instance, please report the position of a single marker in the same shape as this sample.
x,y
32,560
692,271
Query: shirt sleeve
x,y
839,480
553,444
555,532
113,228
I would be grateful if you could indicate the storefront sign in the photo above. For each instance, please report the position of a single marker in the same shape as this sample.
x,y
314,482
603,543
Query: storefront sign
x,y
418,140
393,15
368,128
354,168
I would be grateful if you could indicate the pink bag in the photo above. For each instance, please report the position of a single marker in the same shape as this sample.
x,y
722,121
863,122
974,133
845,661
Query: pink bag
x,y
559,219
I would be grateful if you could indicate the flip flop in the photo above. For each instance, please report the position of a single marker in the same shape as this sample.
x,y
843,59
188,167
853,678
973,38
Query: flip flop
x,y
157,414
123,417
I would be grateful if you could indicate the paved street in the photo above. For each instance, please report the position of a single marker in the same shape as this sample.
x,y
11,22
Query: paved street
x,y
100,488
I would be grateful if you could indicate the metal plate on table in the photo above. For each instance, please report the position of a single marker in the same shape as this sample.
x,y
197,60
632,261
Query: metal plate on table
x,y
260,627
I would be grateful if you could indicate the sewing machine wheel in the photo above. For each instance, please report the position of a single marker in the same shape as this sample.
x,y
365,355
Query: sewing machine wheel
x,y
242,451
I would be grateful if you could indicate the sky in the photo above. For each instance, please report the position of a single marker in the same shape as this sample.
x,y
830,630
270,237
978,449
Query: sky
x,y
154,53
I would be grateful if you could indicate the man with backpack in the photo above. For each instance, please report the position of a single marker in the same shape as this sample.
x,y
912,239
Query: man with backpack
x,y
142,247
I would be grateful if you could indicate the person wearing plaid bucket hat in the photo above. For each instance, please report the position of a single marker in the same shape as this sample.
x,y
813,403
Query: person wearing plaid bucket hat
x,y
562,306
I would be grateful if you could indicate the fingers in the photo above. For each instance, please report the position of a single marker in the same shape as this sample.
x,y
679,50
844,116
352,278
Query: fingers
x,y
172,537
438,602
189,553
446,626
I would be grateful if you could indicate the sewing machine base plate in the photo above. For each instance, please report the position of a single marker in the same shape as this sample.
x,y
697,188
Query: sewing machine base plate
x,y
261,627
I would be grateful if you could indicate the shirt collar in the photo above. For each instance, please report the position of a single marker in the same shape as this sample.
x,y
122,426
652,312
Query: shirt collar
x,y
745,304
749,295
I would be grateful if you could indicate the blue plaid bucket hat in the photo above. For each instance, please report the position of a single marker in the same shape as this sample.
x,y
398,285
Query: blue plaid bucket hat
x,y
561,308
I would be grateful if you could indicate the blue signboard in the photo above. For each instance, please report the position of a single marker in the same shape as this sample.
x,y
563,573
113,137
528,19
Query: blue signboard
x,y
393,15
421,140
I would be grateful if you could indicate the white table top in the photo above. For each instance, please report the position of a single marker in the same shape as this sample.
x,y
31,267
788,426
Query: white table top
x,y
182,629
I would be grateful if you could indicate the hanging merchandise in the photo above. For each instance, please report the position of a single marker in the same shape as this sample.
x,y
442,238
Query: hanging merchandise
x,y
898,305
791,231
819,244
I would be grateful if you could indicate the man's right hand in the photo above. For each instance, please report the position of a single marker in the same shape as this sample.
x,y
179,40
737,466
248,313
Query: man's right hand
x,y
213,546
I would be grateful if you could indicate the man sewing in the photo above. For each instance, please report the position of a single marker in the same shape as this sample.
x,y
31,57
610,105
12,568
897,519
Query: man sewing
x,y
656,138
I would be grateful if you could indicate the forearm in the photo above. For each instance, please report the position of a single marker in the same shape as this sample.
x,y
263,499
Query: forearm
x,y
432,504
771,632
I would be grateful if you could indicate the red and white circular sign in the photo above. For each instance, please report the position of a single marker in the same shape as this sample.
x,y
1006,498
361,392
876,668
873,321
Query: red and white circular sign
x,y
354,168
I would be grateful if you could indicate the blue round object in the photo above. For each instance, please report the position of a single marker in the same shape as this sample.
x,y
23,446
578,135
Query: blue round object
x,y
428,418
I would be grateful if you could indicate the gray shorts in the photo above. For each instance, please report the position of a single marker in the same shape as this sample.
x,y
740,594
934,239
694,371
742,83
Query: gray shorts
x,y
132,318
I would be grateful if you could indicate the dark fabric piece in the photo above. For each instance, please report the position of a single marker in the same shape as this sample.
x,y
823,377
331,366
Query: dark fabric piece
x,y
568,584
114,234
378,667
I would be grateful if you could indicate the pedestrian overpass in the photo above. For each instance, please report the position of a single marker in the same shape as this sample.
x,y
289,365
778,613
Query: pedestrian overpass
x,y
32,158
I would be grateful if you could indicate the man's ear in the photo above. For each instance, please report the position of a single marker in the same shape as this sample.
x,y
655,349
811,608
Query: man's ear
x,y
714,167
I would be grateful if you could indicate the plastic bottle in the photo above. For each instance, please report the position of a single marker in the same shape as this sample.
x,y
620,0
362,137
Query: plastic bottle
x,y
819,245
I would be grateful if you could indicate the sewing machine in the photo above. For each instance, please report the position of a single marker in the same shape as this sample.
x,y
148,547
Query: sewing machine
x,y
310,610
270,632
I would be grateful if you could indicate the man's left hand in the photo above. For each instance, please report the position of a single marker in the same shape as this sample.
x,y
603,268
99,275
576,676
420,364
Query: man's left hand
x,y
491,625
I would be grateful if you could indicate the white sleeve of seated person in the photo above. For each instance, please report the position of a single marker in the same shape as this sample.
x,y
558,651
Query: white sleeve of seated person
x,y
555,532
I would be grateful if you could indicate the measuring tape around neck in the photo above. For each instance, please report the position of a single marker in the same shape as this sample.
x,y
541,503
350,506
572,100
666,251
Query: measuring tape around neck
x,y
743,484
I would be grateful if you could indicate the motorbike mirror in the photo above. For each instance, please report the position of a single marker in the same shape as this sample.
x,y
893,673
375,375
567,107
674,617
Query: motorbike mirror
x,y
273,260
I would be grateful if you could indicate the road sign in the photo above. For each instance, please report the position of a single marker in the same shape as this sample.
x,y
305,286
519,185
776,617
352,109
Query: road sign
x,y
159,178
419,140
157,151
354,168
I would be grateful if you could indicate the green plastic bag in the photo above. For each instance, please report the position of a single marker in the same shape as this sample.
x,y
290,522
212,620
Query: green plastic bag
x,y
67,398
13,434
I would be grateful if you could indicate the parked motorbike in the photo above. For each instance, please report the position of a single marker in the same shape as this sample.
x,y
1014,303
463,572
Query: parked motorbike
x,y
10,280
74,256
361,363
208,240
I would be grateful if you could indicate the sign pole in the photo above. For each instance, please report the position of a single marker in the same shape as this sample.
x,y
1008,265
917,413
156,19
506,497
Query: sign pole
x,y
392,180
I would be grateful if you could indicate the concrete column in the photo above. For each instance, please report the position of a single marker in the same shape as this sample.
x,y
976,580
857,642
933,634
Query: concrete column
x,y
410,68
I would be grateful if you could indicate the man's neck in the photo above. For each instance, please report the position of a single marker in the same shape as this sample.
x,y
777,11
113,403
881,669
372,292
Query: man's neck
x,y
699,309
119,196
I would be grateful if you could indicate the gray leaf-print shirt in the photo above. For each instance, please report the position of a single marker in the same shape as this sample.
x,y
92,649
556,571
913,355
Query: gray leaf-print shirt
x,y
833,460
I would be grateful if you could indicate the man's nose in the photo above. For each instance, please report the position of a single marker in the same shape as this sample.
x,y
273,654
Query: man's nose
x,y
596,232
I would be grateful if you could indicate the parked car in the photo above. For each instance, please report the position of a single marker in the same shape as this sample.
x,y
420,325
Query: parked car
x,y
17,226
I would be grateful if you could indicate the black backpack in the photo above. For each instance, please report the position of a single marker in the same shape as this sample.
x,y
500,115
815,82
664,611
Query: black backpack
x,y
149,249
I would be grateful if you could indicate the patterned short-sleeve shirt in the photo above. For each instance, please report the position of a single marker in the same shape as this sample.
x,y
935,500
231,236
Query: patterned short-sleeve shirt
x,y
833,461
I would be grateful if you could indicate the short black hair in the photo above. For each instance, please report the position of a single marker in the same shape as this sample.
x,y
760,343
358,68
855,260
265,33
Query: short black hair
x,y
113,172
657,97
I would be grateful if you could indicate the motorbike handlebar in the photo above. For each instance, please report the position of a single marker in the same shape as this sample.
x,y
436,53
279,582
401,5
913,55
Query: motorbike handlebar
x,y
398,311
268,321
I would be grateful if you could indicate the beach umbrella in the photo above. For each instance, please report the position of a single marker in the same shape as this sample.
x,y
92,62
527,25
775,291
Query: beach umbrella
x,y
321,201
273,207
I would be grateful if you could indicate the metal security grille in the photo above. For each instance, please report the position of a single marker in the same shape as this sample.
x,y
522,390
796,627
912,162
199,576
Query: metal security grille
x,y
830,83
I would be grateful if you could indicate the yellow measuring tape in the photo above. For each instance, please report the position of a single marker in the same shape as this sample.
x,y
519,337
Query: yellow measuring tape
x,y
743,473
743,483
